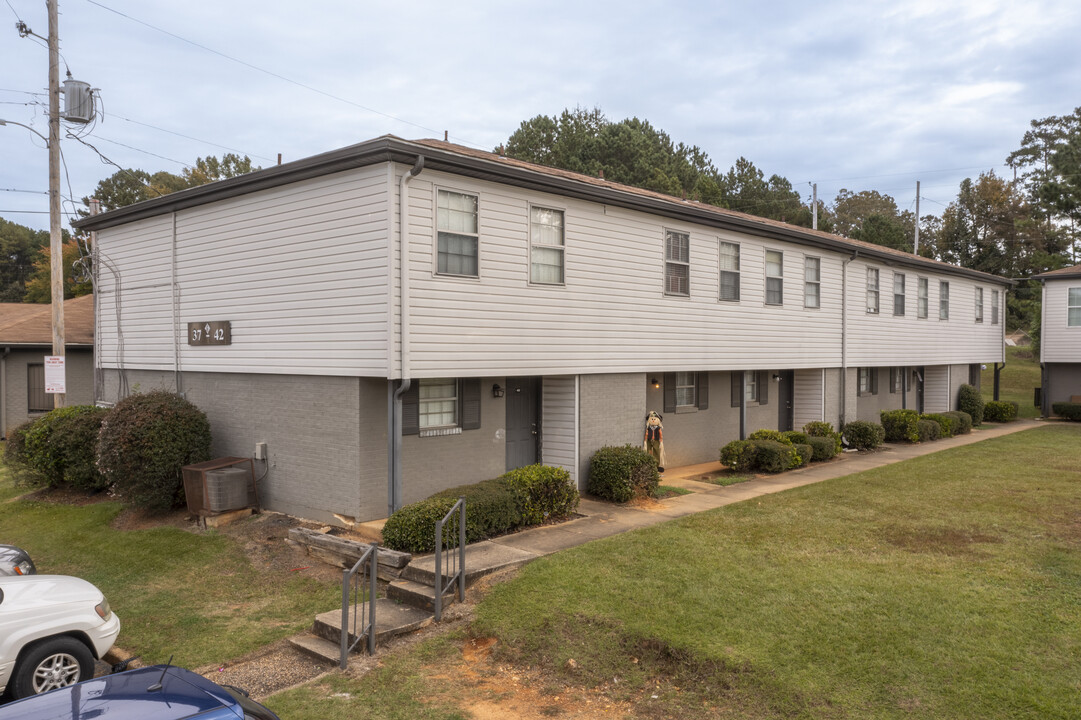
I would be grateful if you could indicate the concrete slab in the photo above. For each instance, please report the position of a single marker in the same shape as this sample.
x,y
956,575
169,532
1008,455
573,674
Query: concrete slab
x,y
481,559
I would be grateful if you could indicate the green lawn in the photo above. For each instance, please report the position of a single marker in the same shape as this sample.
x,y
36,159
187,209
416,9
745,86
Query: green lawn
x,y
1016,381
195,596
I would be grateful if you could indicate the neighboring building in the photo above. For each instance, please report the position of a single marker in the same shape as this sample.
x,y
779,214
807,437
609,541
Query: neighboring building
x,y
26,337
545,314
1060,337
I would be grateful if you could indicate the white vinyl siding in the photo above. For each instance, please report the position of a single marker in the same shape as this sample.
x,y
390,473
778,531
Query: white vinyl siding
x,y
807,397
922,298
559,430
979,305
677,263
457,237
943,301
1060,337
936,389
812,282
729,270
994,307
774,277
546,240
872,290
898,294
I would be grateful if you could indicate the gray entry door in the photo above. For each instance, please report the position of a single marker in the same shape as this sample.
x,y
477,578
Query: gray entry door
x,y
786,390
523,421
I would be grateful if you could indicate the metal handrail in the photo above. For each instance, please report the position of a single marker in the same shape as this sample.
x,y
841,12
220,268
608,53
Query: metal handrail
x,y
456,576
351,592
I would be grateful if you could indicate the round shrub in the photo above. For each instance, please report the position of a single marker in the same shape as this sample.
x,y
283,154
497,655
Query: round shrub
x,y
61,446
1067,410
739,455
773,457
145,441
804,454
900,425
969,400
823,448
819,428
491,508
541,492
621,473
928,430
774,435
962,422
945,423
15,455
412,528
795,437
1000,412
864,435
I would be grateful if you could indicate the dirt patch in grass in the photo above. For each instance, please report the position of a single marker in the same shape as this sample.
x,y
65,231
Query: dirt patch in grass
x,y
944,541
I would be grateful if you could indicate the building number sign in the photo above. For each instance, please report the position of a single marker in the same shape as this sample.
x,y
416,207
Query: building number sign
x,y
215,332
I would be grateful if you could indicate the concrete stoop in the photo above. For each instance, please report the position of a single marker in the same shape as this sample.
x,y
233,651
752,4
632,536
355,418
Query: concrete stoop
x,y
392,618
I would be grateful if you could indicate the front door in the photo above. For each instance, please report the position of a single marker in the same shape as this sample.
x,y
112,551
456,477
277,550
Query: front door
x,y
523,422
786,388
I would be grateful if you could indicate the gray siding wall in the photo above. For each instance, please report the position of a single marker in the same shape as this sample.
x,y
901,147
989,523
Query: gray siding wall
x,y
559,423
694,436
612,411
1059,343
833,397
1063,382
870,407
79,368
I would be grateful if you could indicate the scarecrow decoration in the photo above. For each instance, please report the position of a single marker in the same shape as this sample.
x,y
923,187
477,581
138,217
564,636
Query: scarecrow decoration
x,y
654,440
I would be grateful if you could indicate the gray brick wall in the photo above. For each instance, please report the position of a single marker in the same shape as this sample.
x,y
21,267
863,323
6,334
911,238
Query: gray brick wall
x,y
958,377
833,397
79,368
612,411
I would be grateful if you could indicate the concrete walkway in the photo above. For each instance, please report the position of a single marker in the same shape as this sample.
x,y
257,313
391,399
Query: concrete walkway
x,y
602,519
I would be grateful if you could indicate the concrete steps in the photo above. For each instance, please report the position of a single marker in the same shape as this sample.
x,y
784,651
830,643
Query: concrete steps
x,y
420,595
391,619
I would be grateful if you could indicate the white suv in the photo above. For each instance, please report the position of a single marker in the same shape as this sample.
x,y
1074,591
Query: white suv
x,y
52,628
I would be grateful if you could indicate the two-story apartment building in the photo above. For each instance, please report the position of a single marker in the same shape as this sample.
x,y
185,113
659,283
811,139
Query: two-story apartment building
x,y
1060,337
399,317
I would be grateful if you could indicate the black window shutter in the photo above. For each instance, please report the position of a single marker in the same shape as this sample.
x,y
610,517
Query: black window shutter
x,y
737,387
763,387
411,409
874,381
469,392
703,390
894,375
669,392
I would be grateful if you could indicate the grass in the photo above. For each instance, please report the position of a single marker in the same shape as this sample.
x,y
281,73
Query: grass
x,y
726,478
193,595
1016,381
948,586
667,491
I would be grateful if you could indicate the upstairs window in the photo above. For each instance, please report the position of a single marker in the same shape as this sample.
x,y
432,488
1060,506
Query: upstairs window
x,y
921,304
774,277
456,218
943,301
872,290
979,305
677,263
1073,307
898,294
812,282
729,271
545,246
994,307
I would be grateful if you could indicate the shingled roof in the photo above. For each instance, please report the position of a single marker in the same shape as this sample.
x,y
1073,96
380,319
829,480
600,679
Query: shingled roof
x,y
32,323
1061,274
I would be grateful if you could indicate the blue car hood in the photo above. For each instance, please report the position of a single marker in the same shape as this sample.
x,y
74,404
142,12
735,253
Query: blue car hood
x,y
125,696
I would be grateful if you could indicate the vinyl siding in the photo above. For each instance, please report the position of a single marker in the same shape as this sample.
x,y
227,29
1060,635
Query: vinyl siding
x,y
936,389
559,430
299,271
1059,342
807,398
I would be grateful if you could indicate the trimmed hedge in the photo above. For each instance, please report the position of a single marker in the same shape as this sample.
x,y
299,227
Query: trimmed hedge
x,y
739,455
999,411
969,400
864,435
823,448
145,441
819,428
901,425
412,528
774,435
15,454
61,447
773,457
491,508
796,437
928,430
541,492
962,422
945,423
804,454
1067,410
621,473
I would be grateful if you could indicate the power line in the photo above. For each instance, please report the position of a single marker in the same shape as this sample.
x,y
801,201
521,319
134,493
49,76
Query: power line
x,y
106,160
272,73
31,192
189,137
145,152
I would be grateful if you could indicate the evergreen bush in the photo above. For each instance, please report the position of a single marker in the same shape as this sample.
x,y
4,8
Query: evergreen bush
x,y
412,528
969,400
61,447
945,423
901,425
929,430
739,455
774,435
621,473
796,437
773,457
491,508
541,492
962,422
823,448
15,455
1067,410
145,441
999,411
819,428
804,454
864,435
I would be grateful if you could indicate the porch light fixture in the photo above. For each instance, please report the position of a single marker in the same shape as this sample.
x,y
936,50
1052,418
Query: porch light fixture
x,y
656,385
776,377
497,392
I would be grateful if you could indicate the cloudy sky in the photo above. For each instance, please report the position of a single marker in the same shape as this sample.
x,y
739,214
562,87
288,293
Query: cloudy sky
x,y
860,95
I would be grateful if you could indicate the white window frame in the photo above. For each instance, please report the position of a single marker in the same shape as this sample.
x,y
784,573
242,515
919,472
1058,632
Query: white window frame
x,y
865,382
873,295
439,231
812,284
923,293
422,402
750,386
994,307
671,263
685,388
899,297
979,304
777,280
723,271
535,243
943,300
1073,307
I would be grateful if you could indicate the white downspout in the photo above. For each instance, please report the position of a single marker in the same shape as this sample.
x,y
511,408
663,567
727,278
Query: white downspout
x,y
844,338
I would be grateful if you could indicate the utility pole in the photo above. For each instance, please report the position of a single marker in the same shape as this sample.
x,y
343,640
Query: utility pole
x,y
56,249
916,241
814,206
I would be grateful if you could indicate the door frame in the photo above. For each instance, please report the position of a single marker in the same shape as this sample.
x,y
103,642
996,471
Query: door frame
x,y
536,382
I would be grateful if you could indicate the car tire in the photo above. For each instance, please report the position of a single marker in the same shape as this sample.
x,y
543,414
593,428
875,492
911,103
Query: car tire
x,y
52,663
